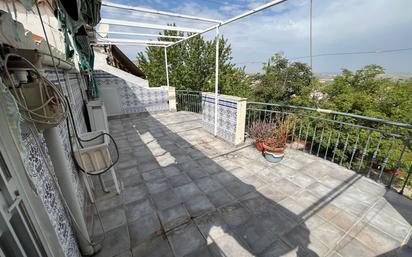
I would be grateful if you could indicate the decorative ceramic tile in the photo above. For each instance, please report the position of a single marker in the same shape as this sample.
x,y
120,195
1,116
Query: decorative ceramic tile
x,y
135,98
40,169
226,119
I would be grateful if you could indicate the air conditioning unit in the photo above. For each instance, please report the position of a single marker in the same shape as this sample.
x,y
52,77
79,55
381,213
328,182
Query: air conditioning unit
x,y
97,116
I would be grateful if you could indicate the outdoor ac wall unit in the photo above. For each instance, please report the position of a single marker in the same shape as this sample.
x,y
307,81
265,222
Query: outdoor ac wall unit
x,y
97,116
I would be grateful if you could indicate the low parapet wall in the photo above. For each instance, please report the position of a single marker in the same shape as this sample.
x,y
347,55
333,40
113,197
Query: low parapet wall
x,y
231,116
124,97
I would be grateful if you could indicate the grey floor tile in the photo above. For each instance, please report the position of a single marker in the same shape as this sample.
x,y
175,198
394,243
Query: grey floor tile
x,y
373,238
220,197
212,226
188,191
207,184
351,247
179,180
171,170
154,247
157,185
165,199
152,174
278,249
328,234
145,228
201,252
196,173
257,233
300,237
234,214
127,253
115,243
173,217
111,219
109,203
132,180
186,239
272,194
253,180
132,194
138,209
199,205
147,166
239,189
344,220
287,187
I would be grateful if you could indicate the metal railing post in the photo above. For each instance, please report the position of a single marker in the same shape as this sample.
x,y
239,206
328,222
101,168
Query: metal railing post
x,y
167,69
216,79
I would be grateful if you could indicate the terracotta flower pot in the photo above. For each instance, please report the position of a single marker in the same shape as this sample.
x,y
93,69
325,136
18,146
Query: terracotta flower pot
x,y
272,154
276,150
259,145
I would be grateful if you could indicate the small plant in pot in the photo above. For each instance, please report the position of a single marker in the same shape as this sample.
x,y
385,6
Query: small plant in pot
x,y
275,144
260,131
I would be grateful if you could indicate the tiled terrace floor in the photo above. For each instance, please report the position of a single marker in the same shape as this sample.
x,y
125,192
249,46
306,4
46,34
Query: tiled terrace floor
x,y
186,193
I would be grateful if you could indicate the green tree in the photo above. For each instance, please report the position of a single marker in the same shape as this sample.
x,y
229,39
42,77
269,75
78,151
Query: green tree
x,y
282,81
192,66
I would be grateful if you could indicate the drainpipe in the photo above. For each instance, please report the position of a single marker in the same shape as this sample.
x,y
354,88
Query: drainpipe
x,y
61,166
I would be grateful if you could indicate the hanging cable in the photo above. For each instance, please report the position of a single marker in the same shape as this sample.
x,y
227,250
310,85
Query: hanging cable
x,y
385,51
50,95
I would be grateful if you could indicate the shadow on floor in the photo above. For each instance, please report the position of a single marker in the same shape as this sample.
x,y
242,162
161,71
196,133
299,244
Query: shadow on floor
x,y
186,193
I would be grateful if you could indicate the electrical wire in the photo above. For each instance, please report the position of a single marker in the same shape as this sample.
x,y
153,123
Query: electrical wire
x,y
55,97
341,54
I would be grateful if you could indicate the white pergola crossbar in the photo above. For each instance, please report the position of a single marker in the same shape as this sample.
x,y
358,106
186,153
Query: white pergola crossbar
x,y
146,10
140,34
100,43
148,25
243,15
123,40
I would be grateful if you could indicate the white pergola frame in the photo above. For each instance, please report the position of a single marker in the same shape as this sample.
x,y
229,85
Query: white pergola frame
x,y
167,44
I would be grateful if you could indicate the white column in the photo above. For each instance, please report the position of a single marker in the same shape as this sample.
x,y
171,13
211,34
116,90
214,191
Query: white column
x,y
216,79
167,69
61,166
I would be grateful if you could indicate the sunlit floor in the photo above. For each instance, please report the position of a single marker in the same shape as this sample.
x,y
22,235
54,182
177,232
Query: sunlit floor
x,y
186,193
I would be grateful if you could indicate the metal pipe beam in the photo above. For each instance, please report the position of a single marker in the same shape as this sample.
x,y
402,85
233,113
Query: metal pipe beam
x,y
216,80
140,34
147,25
167,70
248,13
146,10
126,44
124,40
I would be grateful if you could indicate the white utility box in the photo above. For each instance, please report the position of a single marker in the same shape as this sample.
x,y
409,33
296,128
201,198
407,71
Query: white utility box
x,y
97,116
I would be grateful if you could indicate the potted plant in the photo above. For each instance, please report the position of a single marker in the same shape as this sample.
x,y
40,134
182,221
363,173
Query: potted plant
x,y
275,144
260,131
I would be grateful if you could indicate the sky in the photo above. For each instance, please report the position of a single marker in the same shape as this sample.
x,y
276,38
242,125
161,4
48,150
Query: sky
x,y
339,26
